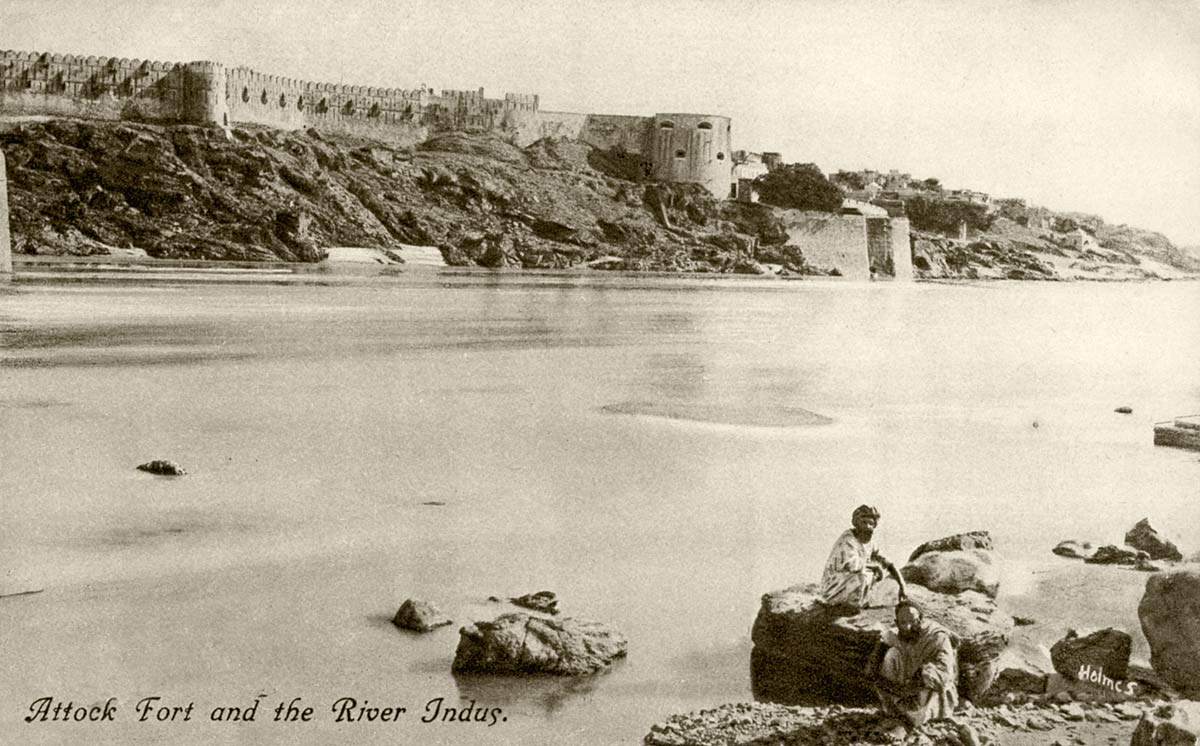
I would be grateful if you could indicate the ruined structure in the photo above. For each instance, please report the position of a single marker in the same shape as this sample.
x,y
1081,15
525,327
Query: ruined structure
x,y
688,148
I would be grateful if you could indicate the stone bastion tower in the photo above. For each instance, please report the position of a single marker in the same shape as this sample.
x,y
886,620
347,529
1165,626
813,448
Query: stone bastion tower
x,y
693,148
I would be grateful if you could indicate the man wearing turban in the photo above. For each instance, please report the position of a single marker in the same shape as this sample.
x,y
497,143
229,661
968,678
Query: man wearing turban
x,y
855,565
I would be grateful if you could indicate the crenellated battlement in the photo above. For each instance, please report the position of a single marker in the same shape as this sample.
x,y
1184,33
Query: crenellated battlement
x,y
204,92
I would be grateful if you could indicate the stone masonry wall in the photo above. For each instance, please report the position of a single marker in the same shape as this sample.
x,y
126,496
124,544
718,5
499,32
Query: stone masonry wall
x,y
831,241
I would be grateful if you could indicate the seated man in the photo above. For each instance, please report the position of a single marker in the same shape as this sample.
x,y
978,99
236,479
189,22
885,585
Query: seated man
x,y
855,564
918,677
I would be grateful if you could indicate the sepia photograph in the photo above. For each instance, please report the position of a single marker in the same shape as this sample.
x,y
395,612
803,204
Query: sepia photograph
x,y
661,373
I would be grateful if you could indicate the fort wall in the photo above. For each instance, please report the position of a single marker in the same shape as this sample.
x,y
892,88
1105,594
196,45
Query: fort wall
x,y
672,147
33,84
831,241
901,250
6,267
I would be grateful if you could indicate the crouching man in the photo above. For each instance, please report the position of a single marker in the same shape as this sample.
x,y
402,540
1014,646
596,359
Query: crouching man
x,y
917,676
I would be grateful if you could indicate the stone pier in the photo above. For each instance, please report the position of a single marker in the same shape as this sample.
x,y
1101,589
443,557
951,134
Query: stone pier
x,y
6,268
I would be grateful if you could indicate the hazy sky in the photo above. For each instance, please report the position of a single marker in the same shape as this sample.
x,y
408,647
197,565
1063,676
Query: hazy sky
x,y
1090,106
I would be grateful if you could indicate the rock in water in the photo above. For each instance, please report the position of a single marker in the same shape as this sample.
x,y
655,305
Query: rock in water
x,y
1170,617
543,601
523,644
957,542
163,468
1074,549
1124,410
1110,554
804,653
419,616
1107,650
954,572
1174,724
1145,538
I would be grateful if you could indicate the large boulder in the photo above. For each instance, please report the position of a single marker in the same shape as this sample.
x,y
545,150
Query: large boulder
x,y
419,616
956,543
1173,724
805,653
1142,536
1105,650
523,643
1170,617
1074,549
954,572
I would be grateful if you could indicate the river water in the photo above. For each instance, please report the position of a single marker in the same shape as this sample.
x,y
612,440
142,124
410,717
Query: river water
x,y
654,450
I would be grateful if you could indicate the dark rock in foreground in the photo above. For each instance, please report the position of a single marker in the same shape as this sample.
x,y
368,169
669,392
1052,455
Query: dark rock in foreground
x,y
1110,554
1106,649
1074,549
525,644
163,468
957,542
1170,617
543,601
1142,536
419,616
805,654
1175,724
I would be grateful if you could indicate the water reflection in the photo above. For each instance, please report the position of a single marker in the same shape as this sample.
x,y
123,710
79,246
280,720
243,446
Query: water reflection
x,y
547,694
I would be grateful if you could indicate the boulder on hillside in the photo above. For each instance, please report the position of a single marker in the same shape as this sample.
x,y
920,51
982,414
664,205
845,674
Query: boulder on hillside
x,y
1142,536
954,572
526,644
163,468
1173,724
1170,617
957,542
1074,549
1110,554
805,653
419,616
1106,650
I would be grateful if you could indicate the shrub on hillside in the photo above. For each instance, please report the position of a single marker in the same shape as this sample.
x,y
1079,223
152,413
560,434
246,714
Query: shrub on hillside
x,y
941,216
800,186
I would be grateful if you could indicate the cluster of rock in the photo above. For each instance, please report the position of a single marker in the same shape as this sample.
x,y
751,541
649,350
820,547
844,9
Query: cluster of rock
x,y
1143,543
522,643
806,653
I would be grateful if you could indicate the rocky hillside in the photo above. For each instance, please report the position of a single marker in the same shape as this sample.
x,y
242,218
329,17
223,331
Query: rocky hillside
x,y
184,192
187,192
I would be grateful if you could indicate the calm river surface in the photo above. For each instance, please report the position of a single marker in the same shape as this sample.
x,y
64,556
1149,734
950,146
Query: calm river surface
x,y
639,446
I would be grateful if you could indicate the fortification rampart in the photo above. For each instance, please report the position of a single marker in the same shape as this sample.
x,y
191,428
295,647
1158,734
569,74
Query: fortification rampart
x,y
5,240
670,147
33,84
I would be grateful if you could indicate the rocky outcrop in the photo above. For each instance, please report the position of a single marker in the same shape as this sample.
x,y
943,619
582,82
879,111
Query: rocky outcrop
x,y
526,644
1106,649
1142,536
1074,549
954,572
1174,724
805,653
419,616
957,542
163,468
1170,617
1111,554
